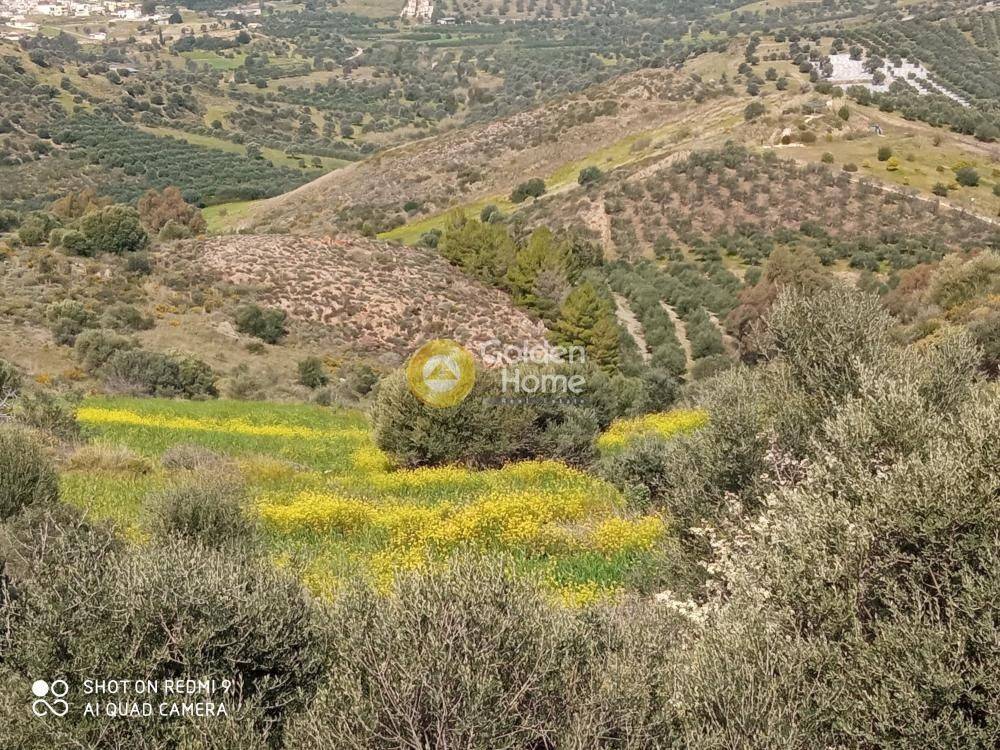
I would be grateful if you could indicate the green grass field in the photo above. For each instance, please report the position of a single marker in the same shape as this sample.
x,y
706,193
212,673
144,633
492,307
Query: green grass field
x,y
331,505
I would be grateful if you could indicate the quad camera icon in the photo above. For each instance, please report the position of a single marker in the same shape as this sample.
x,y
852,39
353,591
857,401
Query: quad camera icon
x,y
49,698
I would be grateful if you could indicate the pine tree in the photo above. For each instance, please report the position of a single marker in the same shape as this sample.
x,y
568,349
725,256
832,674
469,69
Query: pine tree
x,y
587,319
546,258
483,250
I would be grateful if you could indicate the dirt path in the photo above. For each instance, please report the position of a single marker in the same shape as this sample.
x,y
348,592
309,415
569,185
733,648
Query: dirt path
x,y
598,221
681,330
728,341
631,324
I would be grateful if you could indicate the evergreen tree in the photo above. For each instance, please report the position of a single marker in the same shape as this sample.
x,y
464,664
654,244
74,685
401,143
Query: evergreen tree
x,y
544,259
587,319
482,250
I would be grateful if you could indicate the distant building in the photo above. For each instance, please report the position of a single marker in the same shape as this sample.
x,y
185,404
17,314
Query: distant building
x,y
50,9
448,21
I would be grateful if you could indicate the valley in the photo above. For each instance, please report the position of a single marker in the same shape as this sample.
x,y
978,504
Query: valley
x,y
501,374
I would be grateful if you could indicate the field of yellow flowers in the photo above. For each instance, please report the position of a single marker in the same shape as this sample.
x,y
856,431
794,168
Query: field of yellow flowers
x,y
332,505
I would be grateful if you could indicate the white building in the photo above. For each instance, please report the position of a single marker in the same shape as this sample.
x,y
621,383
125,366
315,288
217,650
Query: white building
x,y
50,9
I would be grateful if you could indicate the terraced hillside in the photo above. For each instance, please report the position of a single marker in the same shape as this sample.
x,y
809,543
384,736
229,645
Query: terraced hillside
x,y
740,203
614,122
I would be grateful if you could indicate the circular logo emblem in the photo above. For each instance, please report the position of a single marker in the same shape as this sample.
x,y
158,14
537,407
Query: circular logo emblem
x,y
441,373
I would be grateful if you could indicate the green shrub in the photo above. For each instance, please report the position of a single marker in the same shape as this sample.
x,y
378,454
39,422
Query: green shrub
x,y
533,188
884,153
94,347
156,374
47,412
472,656
75,243
8,220
121,316
139,263
590,175
356,379
35,227
245,385
753,110
27,474
10,380
483,430
173,610
67,319
114,229
210,511
266,324
312,372
967,177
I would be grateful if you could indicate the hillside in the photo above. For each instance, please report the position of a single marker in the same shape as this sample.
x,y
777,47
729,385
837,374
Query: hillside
x,y
618,121
346,299
373,296
743,202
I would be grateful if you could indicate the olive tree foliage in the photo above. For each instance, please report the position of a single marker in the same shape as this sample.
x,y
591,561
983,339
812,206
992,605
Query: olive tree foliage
x,y
78,602
849,510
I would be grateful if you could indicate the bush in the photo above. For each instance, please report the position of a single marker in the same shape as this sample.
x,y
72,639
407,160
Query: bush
x,y
209,511
109,459
244,385
173,610
75,243
266,324
10,380
161,209
533,188
8,220
121,316
48,413
484,430
35,228
356,379
472,656
590,175
753,110
114,229
156,374
28,478
93,348
884,153
139,263
967,177
312,372
67,319
191,458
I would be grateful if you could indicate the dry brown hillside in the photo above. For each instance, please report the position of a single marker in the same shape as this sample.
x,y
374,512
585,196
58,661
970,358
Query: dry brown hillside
x,y
371,296
347,298
468,164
